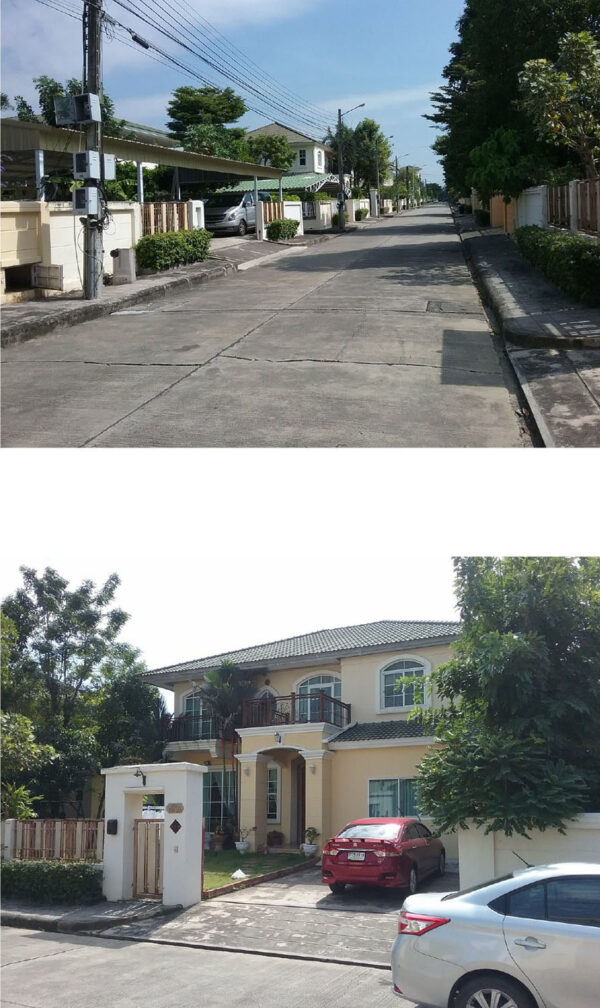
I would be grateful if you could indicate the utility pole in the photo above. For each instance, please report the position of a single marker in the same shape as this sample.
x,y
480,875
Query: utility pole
x,y
341,212
397,187
407,187
377,170
92,42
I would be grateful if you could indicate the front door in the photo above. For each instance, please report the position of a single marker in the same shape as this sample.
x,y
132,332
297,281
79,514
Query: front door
x,y
147,858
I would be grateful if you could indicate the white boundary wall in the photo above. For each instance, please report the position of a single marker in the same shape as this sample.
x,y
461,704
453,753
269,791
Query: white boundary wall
x,y
482,857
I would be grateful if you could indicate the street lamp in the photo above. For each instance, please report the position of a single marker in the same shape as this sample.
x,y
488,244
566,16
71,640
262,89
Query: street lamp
x,y
341,215
390,137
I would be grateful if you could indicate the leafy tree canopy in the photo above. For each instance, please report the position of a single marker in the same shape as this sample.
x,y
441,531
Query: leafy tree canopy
x,y
216,140
563,99
520,729
367,137
501,165
272,150
190,106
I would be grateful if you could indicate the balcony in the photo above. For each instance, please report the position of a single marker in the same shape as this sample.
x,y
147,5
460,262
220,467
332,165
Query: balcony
x,y
306,708
192,728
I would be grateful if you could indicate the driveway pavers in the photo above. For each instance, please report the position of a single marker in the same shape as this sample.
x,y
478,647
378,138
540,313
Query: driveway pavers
x,y
376,338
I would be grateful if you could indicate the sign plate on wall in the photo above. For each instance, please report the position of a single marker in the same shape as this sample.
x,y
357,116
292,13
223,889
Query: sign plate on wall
x,y
175,808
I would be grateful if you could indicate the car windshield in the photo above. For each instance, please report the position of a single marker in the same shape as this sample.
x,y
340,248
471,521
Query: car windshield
x,y
370,831
475,888
224,199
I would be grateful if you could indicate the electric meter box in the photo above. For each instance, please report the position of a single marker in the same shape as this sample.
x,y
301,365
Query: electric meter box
x,y
86,201
86,165
110,168
84,108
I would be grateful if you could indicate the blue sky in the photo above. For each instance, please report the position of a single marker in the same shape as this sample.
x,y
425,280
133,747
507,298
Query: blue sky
x,y
327,52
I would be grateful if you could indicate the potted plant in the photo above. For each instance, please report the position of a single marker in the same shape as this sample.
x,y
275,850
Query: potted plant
x,y
243,843
310,836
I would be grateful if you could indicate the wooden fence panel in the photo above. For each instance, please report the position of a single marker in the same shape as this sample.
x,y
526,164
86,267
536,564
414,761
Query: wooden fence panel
x,y
558,206
588,206
60,840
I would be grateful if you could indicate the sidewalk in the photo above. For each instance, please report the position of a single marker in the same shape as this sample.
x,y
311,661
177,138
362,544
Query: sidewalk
x,y
552,341
24,321
69,919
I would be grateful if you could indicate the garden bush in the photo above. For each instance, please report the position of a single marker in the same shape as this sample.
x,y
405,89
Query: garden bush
x,y
281,228
174,248
361,213
336,217
287,197
573,263
52,881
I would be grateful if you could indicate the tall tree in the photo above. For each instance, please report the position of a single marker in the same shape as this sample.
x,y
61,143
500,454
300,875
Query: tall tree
x,y
217,141
190,106
482,76
348,148
271,150
520,729
563,99
368,138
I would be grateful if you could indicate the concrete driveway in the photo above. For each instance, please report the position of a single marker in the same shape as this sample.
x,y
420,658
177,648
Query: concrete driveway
x,y
376,338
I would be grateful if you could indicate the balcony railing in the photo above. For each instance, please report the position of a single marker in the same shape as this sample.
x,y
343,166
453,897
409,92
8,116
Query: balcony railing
x,y
192,728
297,708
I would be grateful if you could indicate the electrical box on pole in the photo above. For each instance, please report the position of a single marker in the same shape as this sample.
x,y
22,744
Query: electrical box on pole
x,y
86,200
77,109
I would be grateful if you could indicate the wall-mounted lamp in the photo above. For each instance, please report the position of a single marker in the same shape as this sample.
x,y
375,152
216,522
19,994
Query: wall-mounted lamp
x,y
138,773
278,737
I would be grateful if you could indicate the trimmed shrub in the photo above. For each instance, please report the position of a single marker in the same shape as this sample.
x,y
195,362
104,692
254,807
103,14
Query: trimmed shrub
x,y
52,881
335,217
571,262
361,213
287,197
173,248
281,228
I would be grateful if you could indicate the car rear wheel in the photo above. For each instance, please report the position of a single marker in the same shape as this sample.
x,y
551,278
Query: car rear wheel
x,y
492,991
413,881
441,868
337,887
243,228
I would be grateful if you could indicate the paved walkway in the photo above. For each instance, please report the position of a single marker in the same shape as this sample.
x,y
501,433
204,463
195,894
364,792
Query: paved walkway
x,y
376,338
552,341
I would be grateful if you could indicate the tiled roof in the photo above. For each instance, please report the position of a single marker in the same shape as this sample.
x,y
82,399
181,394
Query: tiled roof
x,y
376,730
287,182
337,640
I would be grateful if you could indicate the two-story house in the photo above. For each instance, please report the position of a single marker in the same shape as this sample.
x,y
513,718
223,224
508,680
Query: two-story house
x,y
327,736
311,155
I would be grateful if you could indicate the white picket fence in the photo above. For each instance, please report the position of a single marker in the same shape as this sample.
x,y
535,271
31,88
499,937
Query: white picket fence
x,y
53,840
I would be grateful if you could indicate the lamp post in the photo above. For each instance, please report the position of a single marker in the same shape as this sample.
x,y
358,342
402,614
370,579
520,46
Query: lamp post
x,y
390,137
341,216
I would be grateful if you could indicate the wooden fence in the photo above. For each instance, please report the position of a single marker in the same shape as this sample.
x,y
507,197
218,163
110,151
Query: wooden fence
x,y
57,840
272,211
588,206
558,206
164,217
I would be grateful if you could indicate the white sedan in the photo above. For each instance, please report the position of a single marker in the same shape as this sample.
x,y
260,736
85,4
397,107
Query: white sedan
x,y
528,940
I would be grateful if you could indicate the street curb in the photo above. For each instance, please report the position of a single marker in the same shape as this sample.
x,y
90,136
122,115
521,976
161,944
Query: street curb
x,y
537,413
269,953
22,330
255,880
23,919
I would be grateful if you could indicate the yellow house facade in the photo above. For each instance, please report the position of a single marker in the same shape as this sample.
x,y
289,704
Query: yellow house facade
x,y
327,737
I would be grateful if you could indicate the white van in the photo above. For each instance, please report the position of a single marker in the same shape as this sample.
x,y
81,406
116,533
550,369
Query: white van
x,y
232,212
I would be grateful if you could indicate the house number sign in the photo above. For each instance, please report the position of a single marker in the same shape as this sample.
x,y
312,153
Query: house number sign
x,y
175,808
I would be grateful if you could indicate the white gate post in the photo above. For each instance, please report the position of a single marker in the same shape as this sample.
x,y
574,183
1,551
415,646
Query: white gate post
x,y
9,839
573,208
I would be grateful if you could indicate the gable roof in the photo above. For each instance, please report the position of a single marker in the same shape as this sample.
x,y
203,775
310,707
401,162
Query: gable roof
x,y
279,129
380,636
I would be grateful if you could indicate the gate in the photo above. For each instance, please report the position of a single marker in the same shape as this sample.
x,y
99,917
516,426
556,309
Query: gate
x,y
147,858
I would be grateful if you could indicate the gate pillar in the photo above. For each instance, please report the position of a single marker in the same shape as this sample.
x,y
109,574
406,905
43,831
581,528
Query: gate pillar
x,y
182,853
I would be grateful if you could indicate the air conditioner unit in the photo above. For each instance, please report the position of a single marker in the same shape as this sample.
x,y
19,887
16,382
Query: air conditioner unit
x,y
86,201
86,165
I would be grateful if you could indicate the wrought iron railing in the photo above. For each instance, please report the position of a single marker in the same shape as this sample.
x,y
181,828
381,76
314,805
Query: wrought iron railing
x,y
297,708
192,727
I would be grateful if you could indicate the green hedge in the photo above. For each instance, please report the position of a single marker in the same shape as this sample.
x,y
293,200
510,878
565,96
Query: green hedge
x,y
52,881
280,228
335,218
573,263
361,213
174,248
287,197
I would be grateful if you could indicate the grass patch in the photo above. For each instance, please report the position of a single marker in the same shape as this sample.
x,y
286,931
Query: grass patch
x,y
219,865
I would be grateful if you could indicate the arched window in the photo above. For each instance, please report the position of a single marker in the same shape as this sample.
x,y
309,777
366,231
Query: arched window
x,y
316,708
395,694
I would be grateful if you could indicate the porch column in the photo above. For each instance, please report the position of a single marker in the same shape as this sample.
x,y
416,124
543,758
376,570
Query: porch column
x,y
140,182
253,797
39,174
318,791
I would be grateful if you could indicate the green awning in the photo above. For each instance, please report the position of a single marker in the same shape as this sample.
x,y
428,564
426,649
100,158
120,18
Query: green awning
x,y
311,181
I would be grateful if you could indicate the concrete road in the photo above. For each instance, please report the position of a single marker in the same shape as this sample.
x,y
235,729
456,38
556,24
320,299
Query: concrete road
x,y
43,970
376,338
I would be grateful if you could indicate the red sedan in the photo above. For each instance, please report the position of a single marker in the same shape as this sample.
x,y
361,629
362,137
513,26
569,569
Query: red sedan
x,y
395,853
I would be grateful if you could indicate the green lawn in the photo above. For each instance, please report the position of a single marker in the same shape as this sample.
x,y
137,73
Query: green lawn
x,y
220,865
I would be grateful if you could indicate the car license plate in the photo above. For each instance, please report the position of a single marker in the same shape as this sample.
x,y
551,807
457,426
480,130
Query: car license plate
x,y
356,855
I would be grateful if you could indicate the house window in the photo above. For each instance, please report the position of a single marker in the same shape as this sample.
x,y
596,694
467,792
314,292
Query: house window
x,y
219,803
396,694
315,708
319,158
302,157
392,796
273,794
200,725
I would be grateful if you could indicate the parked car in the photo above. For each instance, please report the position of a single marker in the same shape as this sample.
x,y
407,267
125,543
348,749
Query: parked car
x,y
389,852
233,212
528,940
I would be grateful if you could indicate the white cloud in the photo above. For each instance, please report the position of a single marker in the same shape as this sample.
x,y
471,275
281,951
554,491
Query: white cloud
x,y
380,100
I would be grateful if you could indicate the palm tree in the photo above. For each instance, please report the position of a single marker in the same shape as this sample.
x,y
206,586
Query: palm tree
x,y
223,692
